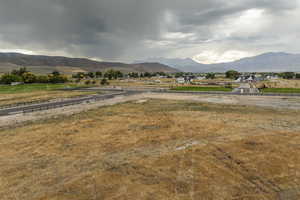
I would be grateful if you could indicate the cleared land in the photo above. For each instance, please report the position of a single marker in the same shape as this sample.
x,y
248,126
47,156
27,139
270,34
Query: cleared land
x,y
155,149
201,89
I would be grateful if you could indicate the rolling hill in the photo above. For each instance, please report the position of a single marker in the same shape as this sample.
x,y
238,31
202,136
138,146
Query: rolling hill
x,y
47,64
268,62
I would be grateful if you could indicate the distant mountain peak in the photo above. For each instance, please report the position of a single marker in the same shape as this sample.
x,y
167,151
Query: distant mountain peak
x,y
266,62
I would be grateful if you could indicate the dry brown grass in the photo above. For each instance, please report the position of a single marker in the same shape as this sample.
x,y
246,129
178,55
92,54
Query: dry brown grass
x,y
281,83
35,96
160,149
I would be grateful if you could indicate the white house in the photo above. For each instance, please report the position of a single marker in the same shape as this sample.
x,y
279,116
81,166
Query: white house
x,y
180,80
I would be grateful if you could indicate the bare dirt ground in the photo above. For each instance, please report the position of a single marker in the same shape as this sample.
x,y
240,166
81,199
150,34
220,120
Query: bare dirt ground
x,y
263,101
155,149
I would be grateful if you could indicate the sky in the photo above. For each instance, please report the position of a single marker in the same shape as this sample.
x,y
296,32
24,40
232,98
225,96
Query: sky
x,y
208,31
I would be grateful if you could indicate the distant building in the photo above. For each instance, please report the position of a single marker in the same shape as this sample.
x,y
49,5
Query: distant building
x,y
16,83
180,80
200,78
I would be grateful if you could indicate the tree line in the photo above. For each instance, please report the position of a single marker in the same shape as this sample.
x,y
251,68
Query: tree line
x,y
25,76
116,74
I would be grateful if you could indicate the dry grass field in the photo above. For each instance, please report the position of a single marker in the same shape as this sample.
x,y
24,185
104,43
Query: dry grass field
x,y
155,149
281,83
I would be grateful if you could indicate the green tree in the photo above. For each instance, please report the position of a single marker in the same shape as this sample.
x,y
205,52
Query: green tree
x,y
232,74
55,73
91,74
29,77
133,75
104,82
42,79
147,74
19,72
210,76
113,74
57,78
288,75
179,74
79,75
98,74
10,78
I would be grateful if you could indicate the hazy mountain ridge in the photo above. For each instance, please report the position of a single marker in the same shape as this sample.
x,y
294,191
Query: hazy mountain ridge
x,y
267,62
12,60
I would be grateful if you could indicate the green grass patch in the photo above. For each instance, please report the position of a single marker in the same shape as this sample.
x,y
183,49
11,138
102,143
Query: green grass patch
x,y
281,90
202,89
8,89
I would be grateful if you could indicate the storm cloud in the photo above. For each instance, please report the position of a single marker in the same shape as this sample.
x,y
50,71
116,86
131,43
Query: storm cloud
x,y
128,30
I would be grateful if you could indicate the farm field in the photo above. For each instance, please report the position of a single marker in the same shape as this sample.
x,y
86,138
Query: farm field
x,y
155,149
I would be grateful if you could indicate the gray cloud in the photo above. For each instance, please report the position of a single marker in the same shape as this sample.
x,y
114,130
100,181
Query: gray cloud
x,y
134,29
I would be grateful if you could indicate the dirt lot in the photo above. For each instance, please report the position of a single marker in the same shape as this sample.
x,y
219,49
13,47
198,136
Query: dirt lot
x,y
262,101
155,149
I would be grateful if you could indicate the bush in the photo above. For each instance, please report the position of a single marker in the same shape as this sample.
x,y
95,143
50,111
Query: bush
x,y
87,82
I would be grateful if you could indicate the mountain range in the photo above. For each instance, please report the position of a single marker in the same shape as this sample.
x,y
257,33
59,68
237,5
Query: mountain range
x,y
267,62
47,64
